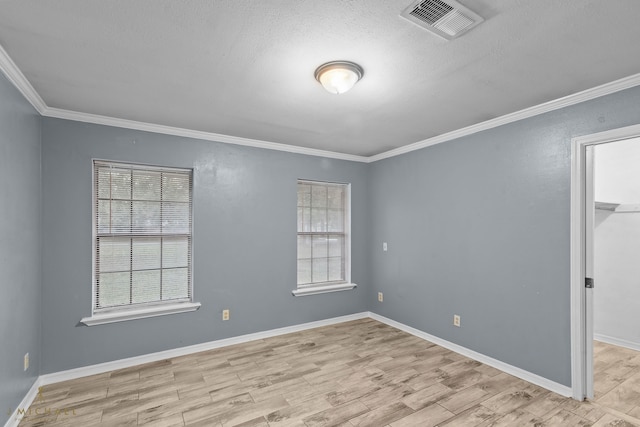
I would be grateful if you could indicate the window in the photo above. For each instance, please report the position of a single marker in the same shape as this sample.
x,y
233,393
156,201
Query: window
x,y
142,242
323,237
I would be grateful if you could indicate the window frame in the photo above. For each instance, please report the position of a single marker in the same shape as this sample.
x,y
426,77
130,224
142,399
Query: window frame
x,y
328,286
136,310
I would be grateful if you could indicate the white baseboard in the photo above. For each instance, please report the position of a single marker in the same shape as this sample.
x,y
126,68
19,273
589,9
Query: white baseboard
x,y
23,406
504,367
182,351
84,371
617,341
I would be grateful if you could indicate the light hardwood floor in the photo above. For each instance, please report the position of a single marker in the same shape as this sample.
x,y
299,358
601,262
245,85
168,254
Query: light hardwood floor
x,y
360,373
617,379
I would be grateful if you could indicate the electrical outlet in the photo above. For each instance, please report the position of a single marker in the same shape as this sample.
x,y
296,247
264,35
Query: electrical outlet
x,y
26,361
380,296
456,320
225,314
384,246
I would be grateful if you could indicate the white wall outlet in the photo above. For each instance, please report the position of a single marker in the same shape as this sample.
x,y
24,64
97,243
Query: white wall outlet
x,y
225,314
456,320
26,361
380,296
384,246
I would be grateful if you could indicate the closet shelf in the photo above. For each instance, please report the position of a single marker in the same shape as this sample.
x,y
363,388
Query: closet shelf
x,y
603,206
618,207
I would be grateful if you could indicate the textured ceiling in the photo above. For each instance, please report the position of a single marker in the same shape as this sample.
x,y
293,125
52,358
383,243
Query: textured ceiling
x,y
245,68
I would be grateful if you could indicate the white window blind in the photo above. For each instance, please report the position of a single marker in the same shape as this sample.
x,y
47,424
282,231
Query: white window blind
x,y
323,233
143,222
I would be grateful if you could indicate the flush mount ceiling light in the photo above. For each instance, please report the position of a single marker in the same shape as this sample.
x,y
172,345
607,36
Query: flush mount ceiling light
x,y
338,76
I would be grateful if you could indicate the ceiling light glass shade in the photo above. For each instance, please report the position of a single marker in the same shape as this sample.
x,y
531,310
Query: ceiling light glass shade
x,y
338,76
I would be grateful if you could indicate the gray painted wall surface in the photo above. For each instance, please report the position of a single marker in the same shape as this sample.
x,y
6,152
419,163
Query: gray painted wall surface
x,y
20,231
244,242
480,227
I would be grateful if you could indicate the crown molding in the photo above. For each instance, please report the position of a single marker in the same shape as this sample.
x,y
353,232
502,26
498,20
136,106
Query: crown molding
x,y
18,79
556,104
189,133
15,76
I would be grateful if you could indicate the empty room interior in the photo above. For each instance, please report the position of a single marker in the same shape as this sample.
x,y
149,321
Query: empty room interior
x,y
336,213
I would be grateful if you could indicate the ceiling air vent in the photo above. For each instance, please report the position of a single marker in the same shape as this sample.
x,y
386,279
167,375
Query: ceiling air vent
x,y
447,19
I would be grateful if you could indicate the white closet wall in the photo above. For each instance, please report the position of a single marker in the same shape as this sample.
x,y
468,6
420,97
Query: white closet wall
x,y
617,243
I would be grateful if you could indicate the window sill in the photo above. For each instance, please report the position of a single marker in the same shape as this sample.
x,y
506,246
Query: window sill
x,y
314,290
141,313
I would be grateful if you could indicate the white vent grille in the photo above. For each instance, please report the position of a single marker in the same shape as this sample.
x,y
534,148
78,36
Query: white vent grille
x,y
430,11
447,19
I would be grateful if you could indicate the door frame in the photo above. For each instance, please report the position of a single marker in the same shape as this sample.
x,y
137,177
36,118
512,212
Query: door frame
x,y
581,309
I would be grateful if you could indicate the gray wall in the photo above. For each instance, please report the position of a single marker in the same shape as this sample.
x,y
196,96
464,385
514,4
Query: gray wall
x,y
20,231
244,242
479,227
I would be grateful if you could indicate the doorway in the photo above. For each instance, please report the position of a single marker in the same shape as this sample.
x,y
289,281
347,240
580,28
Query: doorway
x,y
582,254
616,305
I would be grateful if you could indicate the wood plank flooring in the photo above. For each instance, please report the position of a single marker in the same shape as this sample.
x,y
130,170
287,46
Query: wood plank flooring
x,y
616,372
360,373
